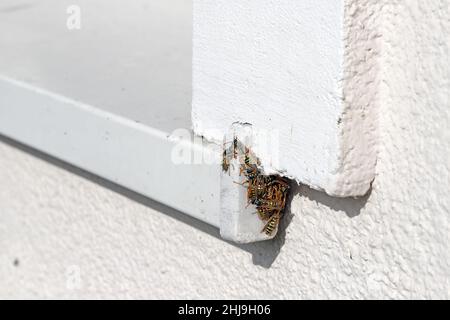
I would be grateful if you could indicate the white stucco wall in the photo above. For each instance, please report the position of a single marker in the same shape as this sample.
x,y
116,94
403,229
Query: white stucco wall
x,y
394,243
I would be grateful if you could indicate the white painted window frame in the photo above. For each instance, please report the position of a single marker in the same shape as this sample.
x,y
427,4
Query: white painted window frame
x,y
123,151
140,157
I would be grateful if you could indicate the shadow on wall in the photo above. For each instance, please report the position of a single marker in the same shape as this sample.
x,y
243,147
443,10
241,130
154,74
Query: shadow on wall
x,y
350,206
263,254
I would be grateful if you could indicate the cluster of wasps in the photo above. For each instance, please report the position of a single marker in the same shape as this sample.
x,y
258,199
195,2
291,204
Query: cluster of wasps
x,y
267,192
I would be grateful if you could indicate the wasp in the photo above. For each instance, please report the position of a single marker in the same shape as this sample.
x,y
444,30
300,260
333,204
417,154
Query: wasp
x,y
279,181
264,214
267,193
250,159
260,186
256,188
225,162
272,224
276,204
255,196
236,147
251,172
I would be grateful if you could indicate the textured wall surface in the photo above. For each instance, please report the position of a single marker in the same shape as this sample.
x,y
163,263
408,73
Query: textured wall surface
x,y
66,235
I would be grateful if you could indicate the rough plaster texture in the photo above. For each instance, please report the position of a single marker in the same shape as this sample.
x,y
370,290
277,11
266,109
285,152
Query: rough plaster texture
x,y
394,243
304,72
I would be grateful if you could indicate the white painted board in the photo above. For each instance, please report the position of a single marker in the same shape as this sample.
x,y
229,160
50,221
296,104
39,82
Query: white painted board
x,y
123,151
282,66
130,58
107,97
112,97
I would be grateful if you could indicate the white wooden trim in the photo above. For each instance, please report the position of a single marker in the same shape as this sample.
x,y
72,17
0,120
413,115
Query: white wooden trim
x,y
115,148
305,73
